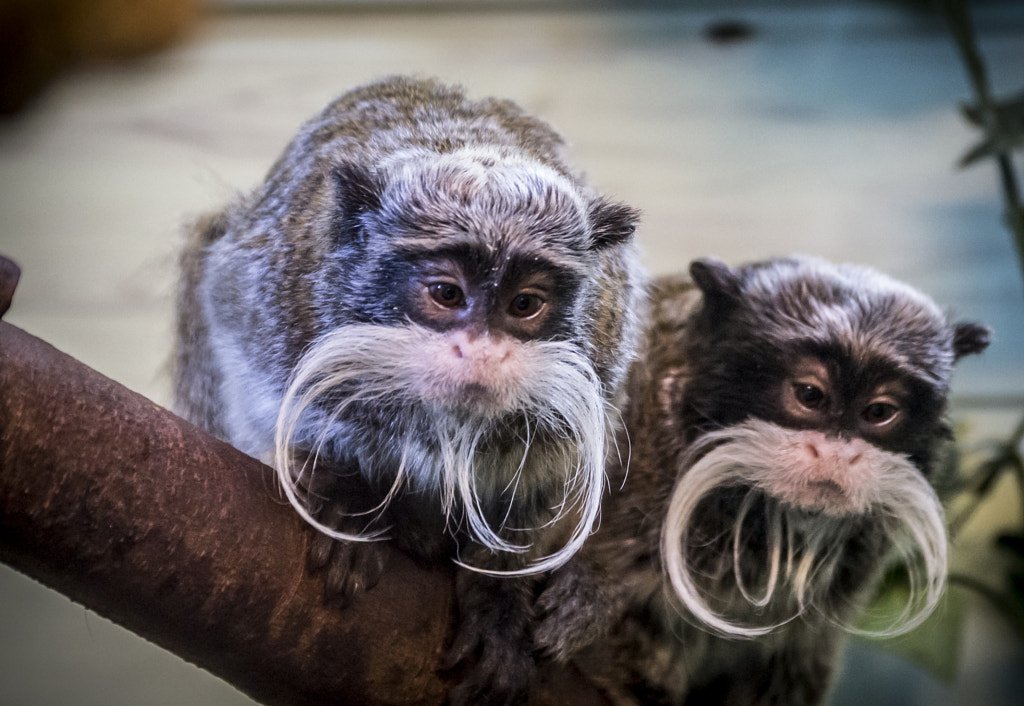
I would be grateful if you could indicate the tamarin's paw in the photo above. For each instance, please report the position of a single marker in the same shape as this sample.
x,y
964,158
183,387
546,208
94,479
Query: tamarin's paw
x,y
502,675
572,612
350,567
493,641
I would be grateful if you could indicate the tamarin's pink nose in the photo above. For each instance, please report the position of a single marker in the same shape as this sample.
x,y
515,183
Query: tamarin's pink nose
x,y
848,452
462,342
483,348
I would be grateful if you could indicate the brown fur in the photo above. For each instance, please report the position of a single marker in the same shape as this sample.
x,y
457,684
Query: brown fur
x,y
716,358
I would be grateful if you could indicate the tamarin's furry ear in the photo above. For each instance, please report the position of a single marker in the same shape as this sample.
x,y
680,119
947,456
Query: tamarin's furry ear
x,y
358,192
612,223
720,284
970,338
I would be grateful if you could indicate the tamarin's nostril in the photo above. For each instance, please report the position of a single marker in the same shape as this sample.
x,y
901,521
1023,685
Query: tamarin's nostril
x,y
457,351
812,450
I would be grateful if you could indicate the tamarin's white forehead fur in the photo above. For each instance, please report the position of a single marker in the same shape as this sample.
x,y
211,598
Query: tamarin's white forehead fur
x,y
874,316
481,194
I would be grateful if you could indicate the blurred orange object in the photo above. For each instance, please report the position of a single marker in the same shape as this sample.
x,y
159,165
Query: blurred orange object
x,y
39,38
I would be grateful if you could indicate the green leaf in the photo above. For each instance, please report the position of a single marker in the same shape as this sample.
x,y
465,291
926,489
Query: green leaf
x,y
1003,128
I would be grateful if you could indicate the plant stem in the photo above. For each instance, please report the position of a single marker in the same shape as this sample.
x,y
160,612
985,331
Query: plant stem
x,y
963,33
962,30
1006,456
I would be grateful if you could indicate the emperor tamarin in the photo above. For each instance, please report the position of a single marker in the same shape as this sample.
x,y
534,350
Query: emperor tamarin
x,y
787,426
422,318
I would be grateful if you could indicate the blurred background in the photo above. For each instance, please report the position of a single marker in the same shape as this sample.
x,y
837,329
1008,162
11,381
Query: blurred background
x,y
743,129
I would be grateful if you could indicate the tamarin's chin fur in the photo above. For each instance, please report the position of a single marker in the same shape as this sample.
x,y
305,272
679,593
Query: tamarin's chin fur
x,y
787,426
423,318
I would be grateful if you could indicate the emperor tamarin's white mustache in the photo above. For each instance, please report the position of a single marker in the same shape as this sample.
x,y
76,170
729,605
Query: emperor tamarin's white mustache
x,y
441,431
806,526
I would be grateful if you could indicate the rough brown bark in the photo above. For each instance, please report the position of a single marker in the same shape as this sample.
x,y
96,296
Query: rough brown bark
x,y
142,517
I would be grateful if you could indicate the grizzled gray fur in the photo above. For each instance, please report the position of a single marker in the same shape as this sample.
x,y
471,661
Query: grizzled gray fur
x,y
787,424
423,318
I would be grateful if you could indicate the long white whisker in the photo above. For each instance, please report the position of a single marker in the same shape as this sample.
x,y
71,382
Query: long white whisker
x,y
354,367
902,510
737,555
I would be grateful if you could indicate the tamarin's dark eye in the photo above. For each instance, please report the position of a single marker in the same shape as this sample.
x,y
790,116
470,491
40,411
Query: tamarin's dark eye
x,y
880,413
809,396
524,305
446,294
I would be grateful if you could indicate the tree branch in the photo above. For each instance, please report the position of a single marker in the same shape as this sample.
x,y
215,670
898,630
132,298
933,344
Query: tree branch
x,y
145,519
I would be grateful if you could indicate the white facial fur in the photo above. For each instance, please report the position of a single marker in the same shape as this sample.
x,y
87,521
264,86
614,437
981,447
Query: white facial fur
x,y
481,195
815,487
430,374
